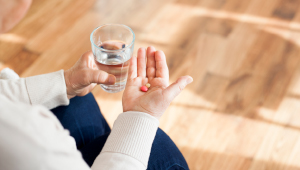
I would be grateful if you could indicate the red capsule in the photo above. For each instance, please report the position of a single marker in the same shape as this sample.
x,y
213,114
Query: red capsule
x,y
144,88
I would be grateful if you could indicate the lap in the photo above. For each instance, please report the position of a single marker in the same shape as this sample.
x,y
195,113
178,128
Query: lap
x,y
82,117
89,128
164,153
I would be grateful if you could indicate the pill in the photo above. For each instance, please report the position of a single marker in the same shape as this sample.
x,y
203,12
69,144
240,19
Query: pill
x,y
144,88
148,85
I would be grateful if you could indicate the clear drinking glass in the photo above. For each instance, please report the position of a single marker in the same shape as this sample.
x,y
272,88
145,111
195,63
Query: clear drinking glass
x,y
112,46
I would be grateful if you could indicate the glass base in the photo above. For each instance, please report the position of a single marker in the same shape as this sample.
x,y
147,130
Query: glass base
x,y
113,88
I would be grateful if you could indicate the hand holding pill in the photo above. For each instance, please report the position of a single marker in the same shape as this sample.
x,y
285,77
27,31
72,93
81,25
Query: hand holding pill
x,y
147,89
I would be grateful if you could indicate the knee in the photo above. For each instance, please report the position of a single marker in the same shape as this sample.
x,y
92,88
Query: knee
x,y
165,154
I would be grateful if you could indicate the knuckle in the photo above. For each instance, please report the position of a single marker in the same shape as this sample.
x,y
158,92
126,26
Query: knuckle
x,y
87,54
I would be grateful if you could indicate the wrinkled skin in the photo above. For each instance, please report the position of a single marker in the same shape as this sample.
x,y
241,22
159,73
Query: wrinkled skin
x,y
84,76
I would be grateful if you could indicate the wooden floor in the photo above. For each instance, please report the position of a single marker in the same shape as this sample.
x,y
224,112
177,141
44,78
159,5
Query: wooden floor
x,y
243,109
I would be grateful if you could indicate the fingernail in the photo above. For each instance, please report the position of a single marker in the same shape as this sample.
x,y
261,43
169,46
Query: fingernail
x,y
189,80
123,46
111,79
101,46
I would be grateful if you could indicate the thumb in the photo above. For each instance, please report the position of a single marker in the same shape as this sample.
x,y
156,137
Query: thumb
x,y
101,77
175,88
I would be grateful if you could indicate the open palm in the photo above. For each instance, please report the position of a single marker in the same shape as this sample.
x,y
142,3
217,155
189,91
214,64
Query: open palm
x,y
150,67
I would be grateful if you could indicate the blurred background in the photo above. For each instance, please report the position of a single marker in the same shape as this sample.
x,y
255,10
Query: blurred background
x,y
243,109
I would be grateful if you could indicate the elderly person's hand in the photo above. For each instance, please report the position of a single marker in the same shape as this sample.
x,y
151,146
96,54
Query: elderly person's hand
x,y
84,76
155,71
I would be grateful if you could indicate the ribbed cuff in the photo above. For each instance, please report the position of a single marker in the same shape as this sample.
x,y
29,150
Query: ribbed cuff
x,y
48,89
133,134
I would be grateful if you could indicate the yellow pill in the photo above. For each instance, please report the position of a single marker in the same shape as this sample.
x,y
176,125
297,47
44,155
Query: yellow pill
x,y
148,85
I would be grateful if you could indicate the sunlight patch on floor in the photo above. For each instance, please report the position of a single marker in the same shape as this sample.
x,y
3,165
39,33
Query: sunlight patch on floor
x,y
12,38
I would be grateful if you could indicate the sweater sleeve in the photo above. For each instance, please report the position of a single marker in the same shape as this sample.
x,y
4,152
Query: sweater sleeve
x,y
48,90
33,138
129,144
50,146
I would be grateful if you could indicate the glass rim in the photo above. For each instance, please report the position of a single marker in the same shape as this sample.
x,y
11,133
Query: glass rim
x,y
102,49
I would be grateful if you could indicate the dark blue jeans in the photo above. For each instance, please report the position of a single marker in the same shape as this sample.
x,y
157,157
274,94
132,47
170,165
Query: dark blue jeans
x,y
89,128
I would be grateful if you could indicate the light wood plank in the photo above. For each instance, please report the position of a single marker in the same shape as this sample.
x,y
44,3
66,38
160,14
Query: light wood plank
x,y
241,111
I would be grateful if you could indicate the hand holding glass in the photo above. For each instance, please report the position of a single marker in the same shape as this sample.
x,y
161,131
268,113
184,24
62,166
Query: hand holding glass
x,y
112,46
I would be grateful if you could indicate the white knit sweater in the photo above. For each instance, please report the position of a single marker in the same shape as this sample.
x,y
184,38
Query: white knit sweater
x,y
32,138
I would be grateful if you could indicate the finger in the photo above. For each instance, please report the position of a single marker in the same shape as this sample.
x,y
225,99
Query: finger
x,y
141,62
87,59
174,89
132,68
91,62
161,65
150,62
100,77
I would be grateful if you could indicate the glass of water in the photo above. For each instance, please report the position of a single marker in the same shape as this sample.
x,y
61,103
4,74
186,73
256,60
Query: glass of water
x,y
112,46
